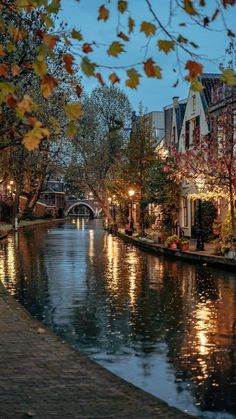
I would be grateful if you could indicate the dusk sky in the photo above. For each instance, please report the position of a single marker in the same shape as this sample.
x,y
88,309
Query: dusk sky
x,y
154,94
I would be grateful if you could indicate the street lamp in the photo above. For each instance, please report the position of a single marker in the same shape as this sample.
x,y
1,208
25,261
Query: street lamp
x,y
200,183
131,193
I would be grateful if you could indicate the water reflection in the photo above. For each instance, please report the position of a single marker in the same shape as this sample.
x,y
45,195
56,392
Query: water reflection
x,y
166,326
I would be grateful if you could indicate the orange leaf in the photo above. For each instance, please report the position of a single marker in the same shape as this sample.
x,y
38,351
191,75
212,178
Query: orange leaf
x,y
15,69
11,101
100,79
149,68
78,90
50,40
3,70
68,60
114,78
87,48
48,84
2,52
103,13
18,34
131,24
195,69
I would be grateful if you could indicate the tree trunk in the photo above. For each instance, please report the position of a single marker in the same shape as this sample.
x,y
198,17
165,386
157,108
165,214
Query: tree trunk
x,y
105,208
232,211
34,198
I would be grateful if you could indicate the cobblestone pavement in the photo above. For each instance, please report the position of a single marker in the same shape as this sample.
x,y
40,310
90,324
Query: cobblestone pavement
x,y
42,377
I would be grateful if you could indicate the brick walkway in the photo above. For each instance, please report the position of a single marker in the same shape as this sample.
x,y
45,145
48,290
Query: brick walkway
x,y
42,377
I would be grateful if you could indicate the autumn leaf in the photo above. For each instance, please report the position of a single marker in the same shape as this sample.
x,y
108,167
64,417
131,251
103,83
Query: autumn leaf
x,y
48,84
24,106
34,137
15,70
157,70
115,49
2,52
87,48
11,101
48,21
73,111
122,6
10,47
6,88
148,28
71,130
131,25
134,78
149,68
165,45
189,8
123,36
103,13
68,60
227,3
55,124
100,79
3,70
77,35
196,85
78,90
40,68
87,67
229,77
18,34
54,6
114,78
195,68
50,40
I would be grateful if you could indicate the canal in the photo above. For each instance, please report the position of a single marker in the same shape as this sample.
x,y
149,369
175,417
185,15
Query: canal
x,y
164,325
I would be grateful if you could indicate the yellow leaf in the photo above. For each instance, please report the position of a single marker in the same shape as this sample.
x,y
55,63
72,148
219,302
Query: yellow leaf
x,y
157,70
228,76
134,78
103,13
25,105
6,88
55,125
40,68
33,138
115,49
73,111
189,8
122,5
196,85
77,35
48,21
148,28
87,67
165,45
10,47
131,25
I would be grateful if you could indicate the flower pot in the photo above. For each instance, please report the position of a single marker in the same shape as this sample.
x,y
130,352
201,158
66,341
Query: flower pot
x,y
173,246
185,247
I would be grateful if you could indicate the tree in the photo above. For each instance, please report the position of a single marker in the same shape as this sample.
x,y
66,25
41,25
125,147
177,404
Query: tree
x,y
213,159
102,135
17,29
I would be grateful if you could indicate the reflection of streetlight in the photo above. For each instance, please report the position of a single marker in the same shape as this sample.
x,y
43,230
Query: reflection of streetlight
x,y
131,193
200,183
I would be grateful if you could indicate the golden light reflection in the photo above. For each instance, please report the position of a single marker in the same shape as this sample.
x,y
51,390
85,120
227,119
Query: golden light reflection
x,y
112,250
11,257
132,262
91,243
156,273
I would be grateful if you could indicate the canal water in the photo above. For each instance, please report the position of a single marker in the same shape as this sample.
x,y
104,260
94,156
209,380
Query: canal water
x,y
164,325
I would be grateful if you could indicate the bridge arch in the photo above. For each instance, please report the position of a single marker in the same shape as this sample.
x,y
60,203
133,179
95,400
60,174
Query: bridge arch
x,y
81,204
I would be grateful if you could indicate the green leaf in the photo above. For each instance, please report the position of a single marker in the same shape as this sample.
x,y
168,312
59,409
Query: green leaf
x,y
115,49
196,85
87,67
54,6
77,35
73,111
40,68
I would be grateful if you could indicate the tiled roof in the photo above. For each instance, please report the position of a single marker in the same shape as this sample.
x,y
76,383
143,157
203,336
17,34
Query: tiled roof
x,y
209,81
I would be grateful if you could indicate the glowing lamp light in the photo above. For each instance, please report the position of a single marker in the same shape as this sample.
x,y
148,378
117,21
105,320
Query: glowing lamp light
x,y
131,192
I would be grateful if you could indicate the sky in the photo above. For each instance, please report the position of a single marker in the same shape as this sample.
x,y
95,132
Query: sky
x,y
152,93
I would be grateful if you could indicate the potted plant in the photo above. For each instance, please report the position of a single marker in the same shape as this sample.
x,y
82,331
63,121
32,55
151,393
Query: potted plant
x,y
172,242
184,245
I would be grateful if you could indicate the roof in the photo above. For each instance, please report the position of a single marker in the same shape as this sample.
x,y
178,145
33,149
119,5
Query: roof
x,y
209,81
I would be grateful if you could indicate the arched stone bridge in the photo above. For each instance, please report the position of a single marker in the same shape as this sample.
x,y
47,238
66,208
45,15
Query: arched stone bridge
x,y
77,207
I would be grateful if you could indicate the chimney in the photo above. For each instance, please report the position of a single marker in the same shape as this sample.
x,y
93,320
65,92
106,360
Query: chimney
x,y
175,101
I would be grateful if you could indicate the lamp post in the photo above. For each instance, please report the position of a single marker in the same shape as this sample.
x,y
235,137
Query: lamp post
x,y
131,193
200,183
